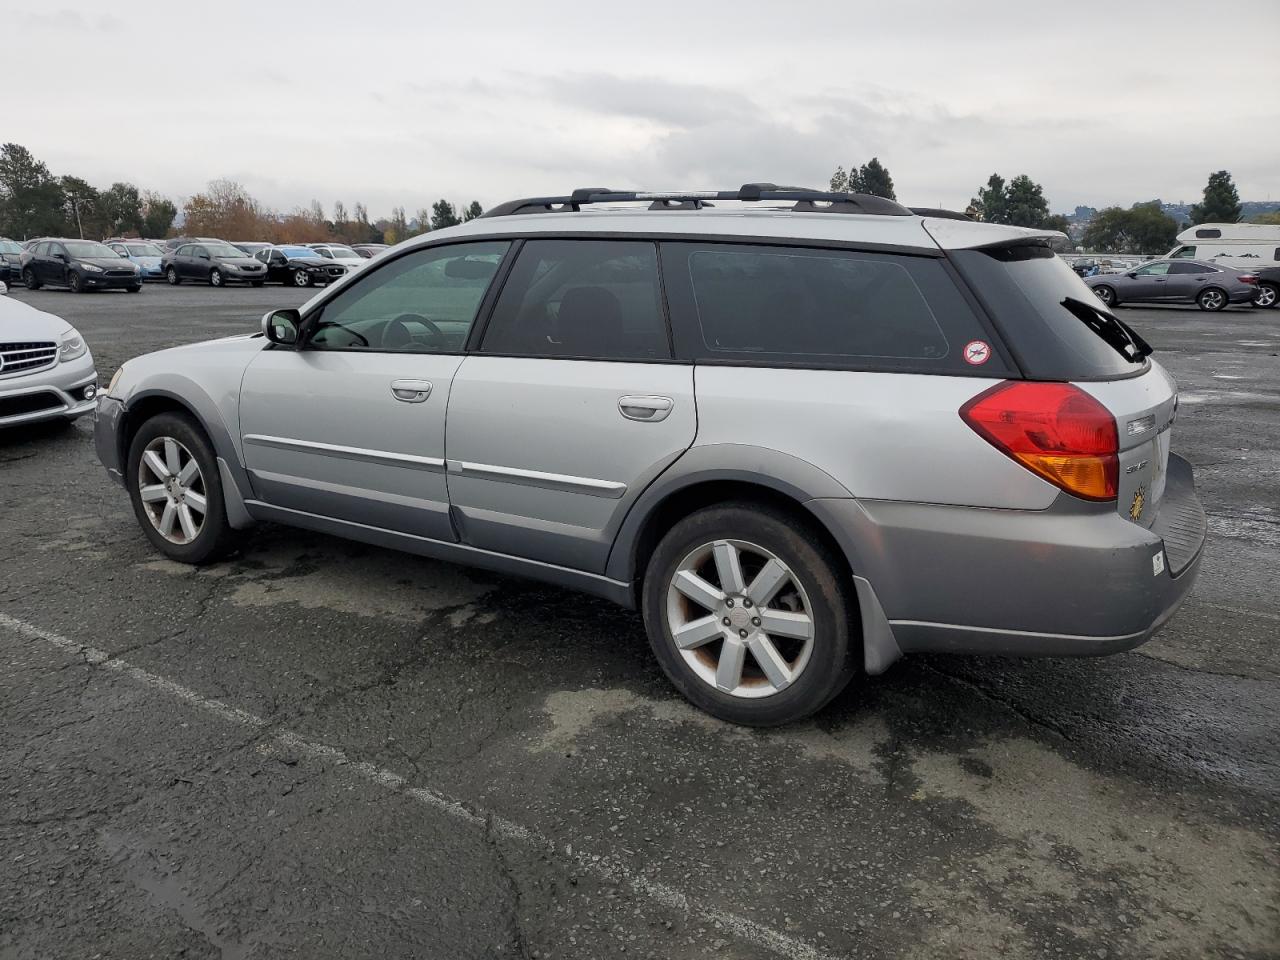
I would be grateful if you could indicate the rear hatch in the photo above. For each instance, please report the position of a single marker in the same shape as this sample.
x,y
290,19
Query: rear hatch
x,y
1058,330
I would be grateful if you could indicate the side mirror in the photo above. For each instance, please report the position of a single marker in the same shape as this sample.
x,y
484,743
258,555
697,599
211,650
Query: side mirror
x,y
1132,274
282,327
60,256
202,255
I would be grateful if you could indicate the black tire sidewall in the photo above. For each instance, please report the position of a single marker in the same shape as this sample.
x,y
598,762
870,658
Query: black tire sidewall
x,y
832,661
214,536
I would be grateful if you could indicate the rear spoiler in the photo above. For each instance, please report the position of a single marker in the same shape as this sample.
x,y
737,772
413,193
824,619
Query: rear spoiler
x,y
952,234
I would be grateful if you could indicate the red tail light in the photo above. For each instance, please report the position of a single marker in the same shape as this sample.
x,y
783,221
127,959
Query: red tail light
x,y
1247,278
1055,430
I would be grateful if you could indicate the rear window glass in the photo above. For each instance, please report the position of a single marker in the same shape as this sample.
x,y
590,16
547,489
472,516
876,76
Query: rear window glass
x,y
582,299
802,306
1050,318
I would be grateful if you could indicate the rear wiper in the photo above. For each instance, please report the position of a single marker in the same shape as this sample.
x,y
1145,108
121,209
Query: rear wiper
x,y
1110,328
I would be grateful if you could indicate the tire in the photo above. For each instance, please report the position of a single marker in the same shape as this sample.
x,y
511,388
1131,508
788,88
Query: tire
x,y
300,278
1212,299
172,276
1268,295
256,283
213,537
215,277
136,288
816,669
75,283
1106,294
29,278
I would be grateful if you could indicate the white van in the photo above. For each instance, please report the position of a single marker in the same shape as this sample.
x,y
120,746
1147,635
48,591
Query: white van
x,y
1239,245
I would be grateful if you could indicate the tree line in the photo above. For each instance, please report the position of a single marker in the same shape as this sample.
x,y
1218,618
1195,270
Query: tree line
x,y
36,203
1020,202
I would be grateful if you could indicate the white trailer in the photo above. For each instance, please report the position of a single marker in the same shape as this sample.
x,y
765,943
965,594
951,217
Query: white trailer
x,y
1240,245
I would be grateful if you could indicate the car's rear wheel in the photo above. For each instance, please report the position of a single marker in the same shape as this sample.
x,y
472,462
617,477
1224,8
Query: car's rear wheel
x,y
1267,296
173,481
301,278
29,278
748,616
75,283
1211,299
215,277
1106,294
172,276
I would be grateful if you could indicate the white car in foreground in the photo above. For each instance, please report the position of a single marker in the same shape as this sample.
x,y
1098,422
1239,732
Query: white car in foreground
x,y
46,369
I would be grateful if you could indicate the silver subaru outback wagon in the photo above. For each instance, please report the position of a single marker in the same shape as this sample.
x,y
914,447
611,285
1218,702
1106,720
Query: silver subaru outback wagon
x,y
803,433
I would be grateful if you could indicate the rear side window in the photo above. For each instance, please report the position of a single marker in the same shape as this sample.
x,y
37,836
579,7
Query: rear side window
x,y
1185,252
1049,317
581,299
798,306
1187,268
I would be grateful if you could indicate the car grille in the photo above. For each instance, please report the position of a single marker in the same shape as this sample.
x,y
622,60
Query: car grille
x,y
25,357
120,273
337,271
251,269
29,403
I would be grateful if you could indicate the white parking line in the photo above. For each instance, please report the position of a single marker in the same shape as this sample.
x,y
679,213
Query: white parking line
x,y
605,867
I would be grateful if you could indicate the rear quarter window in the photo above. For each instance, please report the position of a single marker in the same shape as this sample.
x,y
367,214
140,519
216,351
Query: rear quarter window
x,y
800,306
1050,318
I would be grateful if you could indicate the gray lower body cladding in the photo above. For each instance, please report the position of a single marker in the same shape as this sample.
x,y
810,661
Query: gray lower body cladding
x,y
1073,580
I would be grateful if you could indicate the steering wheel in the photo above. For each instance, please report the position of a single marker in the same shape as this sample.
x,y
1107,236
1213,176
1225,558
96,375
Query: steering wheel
x,y
360,338
397,331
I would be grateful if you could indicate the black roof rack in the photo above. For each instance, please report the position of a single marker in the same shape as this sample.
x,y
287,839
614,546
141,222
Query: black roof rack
x,y
805,200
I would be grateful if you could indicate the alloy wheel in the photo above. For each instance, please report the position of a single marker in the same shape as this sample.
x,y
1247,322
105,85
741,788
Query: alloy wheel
x,y
1266,296
740,618
1211,299
215,278
173,491
300,278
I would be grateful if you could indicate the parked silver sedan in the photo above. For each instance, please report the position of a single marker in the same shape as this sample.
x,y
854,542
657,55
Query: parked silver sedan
x,y
1208,285
46,370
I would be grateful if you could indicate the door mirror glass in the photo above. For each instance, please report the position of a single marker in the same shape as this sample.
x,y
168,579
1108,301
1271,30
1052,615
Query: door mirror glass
x,y
1132,274
281,326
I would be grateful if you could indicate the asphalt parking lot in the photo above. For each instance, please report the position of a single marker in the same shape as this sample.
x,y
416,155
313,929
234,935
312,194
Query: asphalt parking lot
x,y
322,749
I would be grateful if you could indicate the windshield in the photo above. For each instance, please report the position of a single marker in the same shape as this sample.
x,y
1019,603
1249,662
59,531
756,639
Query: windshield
x,y
298,252
89,249
343,253
1052,320
224,251
143,250
8,246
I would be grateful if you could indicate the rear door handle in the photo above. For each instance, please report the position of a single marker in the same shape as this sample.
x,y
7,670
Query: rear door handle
x,y
645,409
411,391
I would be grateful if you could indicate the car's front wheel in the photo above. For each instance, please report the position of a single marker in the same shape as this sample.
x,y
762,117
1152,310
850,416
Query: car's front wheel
x,y
176,490
1211,299
1106,294
301,278
748,615
1267,295
75,283
29,278
215,277
172,276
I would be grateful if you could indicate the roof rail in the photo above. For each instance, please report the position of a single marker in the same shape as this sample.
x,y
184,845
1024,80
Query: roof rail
x,y
805,200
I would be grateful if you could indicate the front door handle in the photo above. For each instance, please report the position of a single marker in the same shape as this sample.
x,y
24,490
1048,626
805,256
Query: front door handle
x,y
645,409
411,391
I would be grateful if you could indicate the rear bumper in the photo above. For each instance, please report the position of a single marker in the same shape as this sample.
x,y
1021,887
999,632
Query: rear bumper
x,y
1072,580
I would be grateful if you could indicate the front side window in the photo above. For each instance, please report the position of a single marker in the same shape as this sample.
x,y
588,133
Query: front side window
x,y
1153,270
582,299
800,306
423,302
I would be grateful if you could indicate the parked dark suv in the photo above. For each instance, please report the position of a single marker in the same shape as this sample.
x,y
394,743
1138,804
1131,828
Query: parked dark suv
x,y
79,265
213,262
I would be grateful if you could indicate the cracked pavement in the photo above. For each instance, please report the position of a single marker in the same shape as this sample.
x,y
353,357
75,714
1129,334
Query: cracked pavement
x,y
967,808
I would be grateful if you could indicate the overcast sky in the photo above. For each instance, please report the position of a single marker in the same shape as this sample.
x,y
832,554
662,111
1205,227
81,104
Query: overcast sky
x,y
402,103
